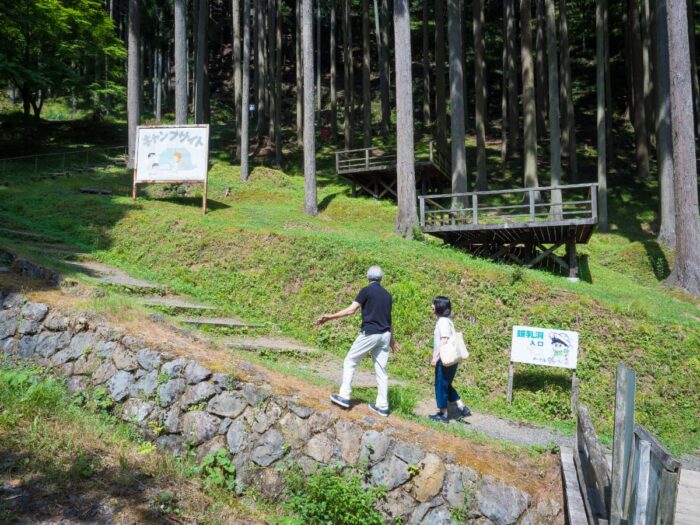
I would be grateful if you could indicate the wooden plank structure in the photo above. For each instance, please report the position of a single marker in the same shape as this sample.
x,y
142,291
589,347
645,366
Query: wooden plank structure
x,y
373,171
642,484
524,225
573,502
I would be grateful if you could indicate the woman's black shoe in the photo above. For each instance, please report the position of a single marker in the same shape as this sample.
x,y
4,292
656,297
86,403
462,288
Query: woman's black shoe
x,y
464,411
439,417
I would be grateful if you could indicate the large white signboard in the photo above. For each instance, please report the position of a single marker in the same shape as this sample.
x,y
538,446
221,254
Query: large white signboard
x,y
172,153
544,346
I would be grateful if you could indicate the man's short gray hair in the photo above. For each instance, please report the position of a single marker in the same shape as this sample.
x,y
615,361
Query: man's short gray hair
x,y
375,273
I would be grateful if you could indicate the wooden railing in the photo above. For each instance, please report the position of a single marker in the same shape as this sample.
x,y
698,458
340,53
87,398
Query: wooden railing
x,y
355,160
439,159
523,205
371,159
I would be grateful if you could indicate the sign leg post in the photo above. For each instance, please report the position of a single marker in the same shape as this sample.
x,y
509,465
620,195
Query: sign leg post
x,y
204,197
133,187
574,394
510,383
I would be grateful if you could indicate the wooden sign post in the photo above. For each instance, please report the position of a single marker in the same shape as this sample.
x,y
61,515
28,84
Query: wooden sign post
x,y
172,155
545,347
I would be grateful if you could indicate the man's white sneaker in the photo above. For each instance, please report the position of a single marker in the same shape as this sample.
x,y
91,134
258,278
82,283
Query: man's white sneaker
x,y
340,401
384,412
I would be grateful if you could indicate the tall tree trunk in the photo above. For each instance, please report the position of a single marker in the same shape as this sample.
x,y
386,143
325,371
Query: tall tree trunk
x,y
384,72
454,38
554,130
664,138
319,90
334,78
245,90
601,120
366,100
278,84
261,63
426,65
568,135
272,85
686,272
351,80
272,68
200,59
690,6
181,61
310,199
648,68
237,69
440,93
158,81
541,68
610,143
504,88
638,109
133,86
479,93
405,168
529,109
513,103
347,77
299,78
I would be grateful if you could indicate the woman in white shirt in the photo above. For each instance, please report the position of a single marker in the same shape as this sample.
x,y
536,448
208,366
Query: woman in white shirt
x,y
444,375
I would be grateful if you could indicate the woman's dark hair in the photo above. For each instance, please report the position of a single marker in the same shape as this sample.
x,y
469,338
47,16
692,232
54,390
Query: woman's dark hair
x,y
443,306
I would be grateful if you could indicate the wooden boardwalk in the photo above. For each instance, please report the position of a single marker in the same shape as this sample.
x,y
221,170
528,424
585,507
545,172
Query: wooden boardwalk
x,y
688,500
373,171
525,225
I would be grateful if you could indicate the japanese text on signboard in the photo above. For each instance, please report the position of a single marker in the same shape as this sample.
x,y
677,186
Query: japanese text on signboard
x,y
172,153
544,346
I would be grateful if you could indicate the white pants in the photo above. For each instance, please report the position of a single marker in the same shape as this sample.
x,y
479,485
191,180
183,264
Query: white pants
x,y
378,344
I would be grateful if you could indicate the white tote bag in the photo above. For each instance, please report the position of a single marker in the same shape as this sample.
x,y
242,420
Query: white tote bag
x,y
454,350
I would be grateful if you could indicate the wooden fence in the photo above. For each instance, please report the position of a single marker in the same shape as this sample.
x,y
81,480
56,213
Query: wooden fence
x,y
642,486
521,205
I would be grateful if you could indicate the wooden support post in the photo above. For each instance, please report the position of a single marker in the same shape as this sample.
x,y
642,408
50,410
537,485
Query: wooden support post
x,y
421,201
531,198
204,196
133,187
572,258
511,371
622,441
574,394
475,208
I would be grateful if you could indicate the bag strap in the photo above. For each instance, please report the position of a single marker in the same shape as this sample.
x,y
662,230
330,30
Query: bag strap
x,y
452,328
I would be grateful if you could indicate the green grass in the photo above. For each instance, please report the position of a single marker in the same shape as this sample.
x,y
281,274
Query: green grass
x,y
256,255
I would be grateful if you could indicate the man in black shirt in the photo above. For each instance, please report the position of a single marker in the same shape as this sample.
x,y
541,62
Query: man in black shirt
x,y
375,336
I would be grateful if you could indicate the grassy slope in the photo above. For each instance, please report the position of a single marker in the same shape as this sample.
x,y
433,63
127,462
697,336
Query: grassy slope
x,y
257,255
67,454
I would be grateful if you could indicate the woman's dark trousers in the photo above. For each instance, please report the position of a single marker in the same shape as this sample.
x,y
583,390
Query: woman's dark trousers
x,y
444,392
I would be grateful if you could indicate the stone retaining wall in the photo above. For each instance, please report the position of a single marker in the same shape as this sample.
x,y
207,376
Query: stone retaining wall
x,y
177,402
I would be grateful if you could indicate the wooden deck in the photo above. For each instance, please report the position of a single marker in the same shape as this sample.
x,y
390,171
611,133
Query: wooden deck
x,y
688,500
525,225
373,171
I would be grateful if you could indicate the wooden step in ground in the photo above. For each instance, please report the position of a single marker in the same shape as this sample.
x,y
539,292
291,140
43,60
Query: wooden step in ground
x,y
174,302
227,322
276,344
109,275
27,234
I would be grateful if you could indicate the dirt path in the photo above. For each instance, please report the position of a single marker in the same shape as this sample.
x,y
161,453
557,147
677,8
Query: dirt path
x,y
502,429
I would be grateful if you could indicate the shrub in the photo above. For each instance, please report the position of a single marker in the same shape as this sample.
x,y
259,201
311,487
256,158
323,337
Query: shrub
x,y
334,495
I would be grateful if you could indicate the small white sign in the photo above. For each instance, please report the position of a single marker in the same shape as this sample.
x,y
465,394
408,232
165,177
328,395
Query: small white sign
x,y
172,153
544,346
